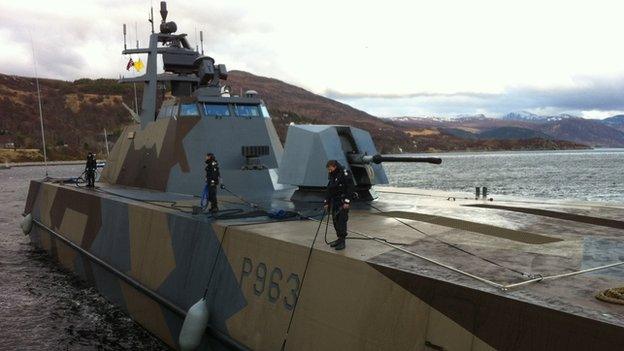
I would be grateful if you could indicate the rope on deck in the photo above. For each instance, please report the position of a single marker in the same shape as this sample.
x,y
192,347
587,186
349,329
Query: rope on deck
x,y
612,295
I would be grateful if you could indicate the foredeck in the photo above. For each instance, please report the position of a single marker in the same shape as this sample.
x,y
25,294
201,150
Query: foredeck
x,y
443,248
505,241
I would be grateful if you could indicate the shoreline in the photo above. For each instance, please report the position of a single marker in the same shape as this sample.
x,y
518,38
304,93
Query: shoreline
x,y
41,163
423,152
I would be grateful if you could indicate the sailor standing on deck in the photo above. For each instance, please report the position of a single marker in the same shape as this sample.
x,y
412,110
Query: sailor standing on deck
x,y
90,168
212,180
338,200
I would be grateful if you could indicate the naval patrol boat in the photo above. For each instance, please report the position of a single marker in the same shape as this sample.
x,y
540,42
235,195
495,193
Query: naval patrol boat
x,y
423,270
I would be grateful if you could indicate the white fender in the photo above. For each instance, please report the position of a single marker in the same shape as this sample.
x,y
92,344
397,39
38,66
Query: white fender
x,y
27,224
194,326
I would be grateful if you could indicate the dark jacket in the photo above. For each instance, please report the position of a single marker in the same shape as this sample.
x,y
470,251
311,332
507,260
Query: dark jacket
x,y
340,188
212,172
91,164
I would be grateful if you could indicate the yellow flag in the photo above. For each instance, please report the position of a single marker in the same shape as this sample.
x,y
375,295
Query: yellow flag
x,y
138,65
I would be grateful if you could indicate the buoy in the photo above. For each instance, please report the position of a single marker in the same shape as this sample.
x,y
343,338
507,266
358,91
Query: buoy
x,y
26,224
194,326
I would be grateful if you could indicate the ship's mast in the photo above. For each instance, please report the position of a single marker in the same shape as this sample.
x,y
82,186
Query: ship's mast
x,y
170,43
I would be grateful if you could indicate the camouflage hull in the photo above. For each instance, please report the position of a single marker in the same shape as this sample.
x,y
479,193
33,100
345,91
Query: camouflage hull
x,y
156,262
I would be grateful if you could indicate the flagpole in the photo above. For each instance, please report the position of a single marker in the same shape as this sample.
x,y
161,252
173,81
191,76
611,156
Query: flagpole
x,y
45,154
106,142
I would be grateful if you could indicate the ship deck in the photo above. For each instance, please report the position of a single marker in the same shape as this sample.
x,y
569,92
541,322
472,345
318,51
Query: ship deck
x,y
509,239
504,241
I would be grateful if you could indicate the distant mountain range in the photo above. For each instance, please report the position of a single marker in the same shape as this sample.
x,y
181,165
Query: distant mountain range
x,y
531,117
608,132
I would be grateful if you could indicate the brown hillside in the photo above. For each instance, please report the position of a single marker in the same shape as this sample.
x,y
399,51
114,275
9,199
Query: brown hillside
x,y
75,113
589,132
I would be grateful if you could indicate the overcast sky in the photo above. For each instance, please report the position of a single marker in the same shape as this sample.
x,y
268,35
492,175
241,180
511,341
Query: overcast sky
x,y
389,58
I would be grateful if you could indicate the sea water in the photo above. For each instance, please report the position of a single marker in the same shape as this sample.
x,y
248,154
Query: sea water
x,y
592,175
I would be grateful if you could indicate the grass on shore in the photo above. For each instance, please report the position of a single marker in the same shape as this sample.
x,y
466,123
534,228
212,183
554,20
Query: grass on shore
x,y
20,155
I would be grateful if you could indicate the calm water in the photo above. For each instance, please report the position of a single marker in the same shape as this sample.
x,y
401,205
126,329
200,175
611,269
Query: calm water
x,y
43,307
596,175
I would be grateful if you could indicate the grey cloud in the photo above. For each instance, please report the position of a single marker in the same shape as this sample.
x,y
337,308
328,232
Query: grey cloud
x,y
600,94
59,47
339,95
62,39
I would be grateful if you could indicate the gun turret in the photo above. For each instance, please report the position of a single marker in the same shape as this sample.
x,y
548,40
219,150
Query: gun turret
x,y
309,147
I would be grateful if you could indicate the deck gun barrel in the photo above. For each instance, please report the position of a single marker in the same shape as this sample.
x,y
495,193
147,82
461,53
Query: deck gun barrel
x,y
367,159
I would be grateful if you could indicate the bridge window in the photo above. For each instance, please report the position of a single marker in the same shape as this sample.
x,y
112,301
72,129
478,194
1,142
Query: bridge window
x,y
265,111
247,110
219,110
189,110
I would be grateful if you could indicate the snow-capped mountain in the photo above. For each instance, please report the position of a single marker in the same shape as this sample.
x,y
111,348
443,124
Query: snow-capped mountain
x,y
521,116
418,118
465,117
532,117
525,125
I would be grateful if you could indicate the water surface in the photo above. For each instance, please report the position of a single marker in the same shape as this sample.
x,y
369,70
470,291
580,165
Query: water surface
x,y
42,306
594,175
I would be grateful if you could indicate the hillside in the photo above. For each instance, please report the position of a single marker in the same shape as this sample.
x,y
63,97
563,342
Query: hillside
x,y
76,114
584,131
498,133
616,122
513,133
523,125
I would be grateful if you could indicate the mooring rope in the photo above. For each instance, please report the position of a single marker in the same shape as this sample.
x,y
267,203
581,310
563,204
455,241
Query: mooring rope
x,y
612,295
455,246
305,271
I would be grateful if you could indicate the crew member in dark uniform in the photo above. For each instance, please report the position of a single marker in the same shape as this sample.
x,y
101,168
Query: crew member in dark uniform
x,y
90,168
212,180
340,190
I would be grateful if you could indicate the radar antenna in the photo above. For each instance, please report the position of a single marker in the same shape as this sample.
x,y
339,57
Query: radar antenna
x,y
201,41
163,11
151,18
124,34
